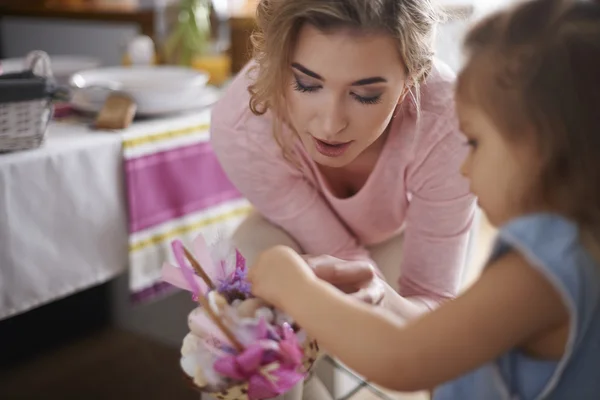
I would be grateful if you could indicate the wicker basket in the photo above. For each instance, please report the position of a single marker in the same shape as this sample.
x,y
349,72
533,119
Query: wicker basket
x,y
240,392
26,104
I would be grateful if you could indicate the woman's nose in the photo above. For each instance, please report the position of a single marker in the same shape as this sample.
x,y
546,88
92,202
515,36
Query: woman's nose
x,y
333,119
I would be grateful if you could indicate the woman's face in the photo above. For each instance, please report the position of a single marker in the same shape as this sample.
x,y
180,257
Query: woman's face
x,y
344,88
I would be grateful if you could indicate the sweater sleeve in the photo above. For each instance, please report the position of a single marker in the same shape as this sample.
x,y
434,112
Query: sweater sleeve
x,y
439,217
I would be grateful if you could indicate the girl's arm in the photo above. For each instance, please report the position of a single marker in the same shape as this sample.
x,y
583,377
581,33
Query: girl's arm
x,y
510,304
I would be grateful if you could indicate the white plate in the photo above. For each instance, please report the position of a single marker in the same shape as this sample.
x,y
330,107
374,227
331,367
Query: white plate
x,y
206,97
62,66
156,90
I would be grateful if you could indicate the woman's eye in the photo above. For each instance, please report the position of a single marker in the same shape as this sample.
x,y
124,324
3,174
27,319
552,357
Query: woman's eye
x,y
301,87
304,88
367,100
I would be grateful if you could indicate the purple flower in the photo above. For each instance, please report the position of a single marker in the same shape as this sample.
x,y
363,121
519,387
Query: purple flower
x,y
235,285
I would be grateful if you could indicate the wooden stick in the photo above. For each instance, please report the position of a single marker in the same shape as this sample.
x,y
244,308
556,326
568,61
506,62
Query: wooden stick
x,y
219,322
198,268
205,304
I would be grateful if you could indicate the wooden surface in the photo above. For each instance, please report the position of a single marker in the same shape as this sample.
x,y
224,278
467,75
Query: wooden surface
x,y
84,11
110,364
80,10
241,28
68,350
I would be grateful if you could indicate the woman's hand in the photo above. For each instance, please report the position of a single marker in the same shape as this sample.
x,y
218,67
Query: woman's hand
x,y
357,278
279,267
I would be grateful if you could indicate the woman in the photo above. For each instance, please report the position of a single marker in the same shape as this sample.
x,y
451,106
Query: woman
x,y
342,134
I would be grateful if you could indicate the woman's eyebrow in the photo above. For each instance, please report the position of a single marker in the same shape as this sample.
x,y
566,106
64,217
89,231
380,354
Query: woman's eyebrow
x,y
307,71
360,82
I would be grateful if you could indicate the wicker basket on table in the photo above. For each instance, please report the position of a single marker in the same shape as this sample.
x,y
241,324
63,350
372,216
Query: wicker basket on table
x,y
26,103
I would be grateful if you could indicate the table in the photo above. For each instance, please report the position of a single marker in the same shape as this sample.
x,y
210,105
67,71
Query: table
x,y
89,206
63,226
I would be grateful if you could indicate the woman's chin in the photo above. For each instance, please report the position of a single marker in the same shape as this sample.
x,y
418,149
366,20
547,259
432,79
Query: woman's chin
x,y
331,162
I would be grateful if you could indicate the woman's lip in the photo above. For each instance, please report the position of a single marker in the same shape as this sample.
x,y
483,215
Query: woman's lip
x,y
331,150
331,143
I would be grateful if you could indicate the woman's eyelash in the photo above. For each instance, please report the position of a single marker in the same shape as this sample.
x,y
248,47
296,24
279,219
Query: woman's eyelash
x,y
367,100
301,88
308,89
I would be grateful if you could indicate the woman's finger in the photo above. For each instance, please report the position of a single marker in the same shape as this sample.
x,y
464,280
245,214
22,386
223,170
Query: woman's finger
x,y
348,289
345,273
372,293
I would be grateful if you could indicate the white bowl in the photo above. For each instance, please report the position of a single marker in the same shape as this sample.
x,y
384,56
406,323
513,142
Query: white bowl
x,y
156,90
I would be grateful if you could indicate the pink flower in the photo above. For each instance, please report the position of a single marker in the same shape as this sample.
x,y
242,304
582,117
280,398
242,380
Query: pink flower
x,y
290,351
264,381
273,383
241,366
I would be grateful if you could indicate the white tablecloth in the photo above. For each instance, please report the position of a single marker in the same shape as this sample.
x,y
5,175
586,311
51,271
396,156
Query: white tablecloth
x,y
63,225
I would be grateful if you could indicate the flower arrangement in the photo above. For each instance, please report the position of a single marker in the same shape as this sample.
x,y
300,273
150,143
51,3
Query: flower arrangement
x,y
239,347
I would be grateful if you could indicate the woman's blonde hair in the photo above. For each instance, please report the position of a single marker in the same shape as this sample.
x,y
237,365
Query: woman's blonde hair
x,y
411,22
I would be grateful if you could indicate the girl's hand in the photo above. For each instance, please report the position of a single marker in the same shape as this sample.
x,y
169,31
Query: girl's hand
x,y
357,278
278,274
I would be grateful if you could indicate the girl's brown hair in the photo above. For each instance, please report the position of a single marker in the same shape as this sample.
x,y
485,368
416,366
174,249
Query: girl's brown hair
x,y
411,22
535,71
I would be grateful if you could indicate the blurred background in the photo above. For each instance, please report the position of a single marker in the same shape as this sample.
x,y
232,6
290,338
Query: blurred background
x,y
82,312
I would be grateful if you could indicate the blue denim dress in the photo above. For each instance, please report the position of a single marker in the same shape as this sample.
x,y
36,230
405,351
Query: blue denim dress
x,y
552,245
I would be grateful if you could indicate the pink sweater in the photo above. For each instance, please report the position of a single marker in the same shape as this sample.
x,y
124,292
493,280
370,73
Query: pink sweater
x,y
415,186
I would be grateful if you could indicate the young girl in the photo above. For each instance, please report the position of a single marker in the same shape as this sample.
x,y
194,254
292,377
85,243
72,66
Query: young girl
x,y
529,105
